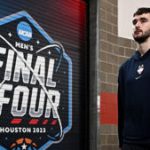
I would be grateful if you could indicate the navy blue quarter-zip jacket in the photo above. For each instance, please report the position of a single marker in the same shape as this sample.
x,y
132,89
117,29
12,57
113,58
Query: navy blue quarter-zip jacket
x,y
134,100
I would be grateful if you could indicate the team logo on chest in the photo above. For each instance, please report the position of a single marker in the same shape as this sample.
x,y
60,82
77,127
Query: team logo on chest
x,y
140,69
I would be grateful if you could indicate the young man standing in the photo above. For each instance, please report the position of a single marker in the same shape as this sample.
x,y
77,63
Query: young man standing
x,y
134,89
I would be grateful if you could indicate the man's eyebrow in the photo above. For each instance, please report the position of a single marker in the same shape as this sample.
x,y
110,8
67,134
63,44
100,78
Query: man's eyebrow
x,y
142,19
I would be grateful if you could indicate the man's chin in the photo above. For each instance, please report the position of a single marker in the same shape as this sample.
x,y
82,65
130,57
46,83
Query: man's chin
x,y
140,39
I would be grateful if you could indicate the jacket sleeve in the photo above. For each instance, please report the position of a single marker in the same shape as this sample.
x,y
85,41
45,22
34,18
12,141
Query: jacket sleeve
x,y
121,96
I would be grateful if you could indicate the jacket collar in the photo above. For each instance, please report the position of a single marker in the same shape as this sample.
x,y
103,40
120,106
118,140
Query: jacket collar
x,y
137,55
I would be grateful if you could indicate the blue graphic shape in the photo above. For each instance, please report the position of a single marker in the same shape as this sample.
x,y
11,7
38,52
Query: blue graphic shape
x,y
24,31
22,14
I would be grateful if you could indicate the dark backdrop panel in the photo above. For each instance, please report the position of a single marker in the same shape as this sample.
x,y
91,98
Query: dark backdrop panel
x,y
64,21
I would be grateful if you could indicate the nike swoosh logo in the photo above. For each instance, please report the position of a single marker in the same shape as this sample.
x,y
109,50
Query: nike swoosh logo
x,y
138,77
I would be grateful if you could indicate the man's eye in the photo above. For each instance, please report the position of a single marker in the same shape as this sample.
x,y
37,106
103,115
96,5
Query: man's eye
x,y
134,22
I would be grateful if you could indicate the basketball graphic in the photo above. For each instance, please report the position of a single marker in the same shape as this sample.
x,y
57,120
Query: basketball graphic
x,y
23,144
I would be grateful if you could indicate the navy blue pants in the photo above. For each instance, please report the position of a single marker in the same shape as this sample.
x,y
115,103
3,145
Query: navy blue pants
x,y
135,147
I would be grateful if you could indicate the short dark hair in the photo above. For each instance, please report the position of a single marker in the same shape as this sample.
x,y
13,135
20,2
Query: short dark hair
x,y
143,10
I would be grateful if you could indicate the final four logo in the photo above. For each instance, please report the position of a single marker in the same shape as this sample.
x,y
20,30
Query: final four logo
x,y
35,86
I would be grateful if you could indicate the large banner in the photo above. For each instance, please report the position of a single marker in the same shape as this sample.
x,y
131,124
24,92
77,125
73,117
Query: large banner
x,y
36,85
40,80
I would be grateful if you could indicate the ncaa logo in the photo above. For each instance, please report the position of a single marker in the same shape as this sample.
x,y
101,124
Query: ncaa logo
x,y
35,86
24,31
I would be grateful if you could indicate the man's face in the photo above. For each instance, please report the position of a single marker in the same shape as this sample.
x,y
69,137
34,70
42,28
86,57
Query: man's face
x,y
141,25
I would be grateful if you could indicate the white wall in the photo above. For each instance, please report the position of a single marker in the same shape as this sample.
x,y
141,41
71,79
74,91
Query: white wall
x,y
126,8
